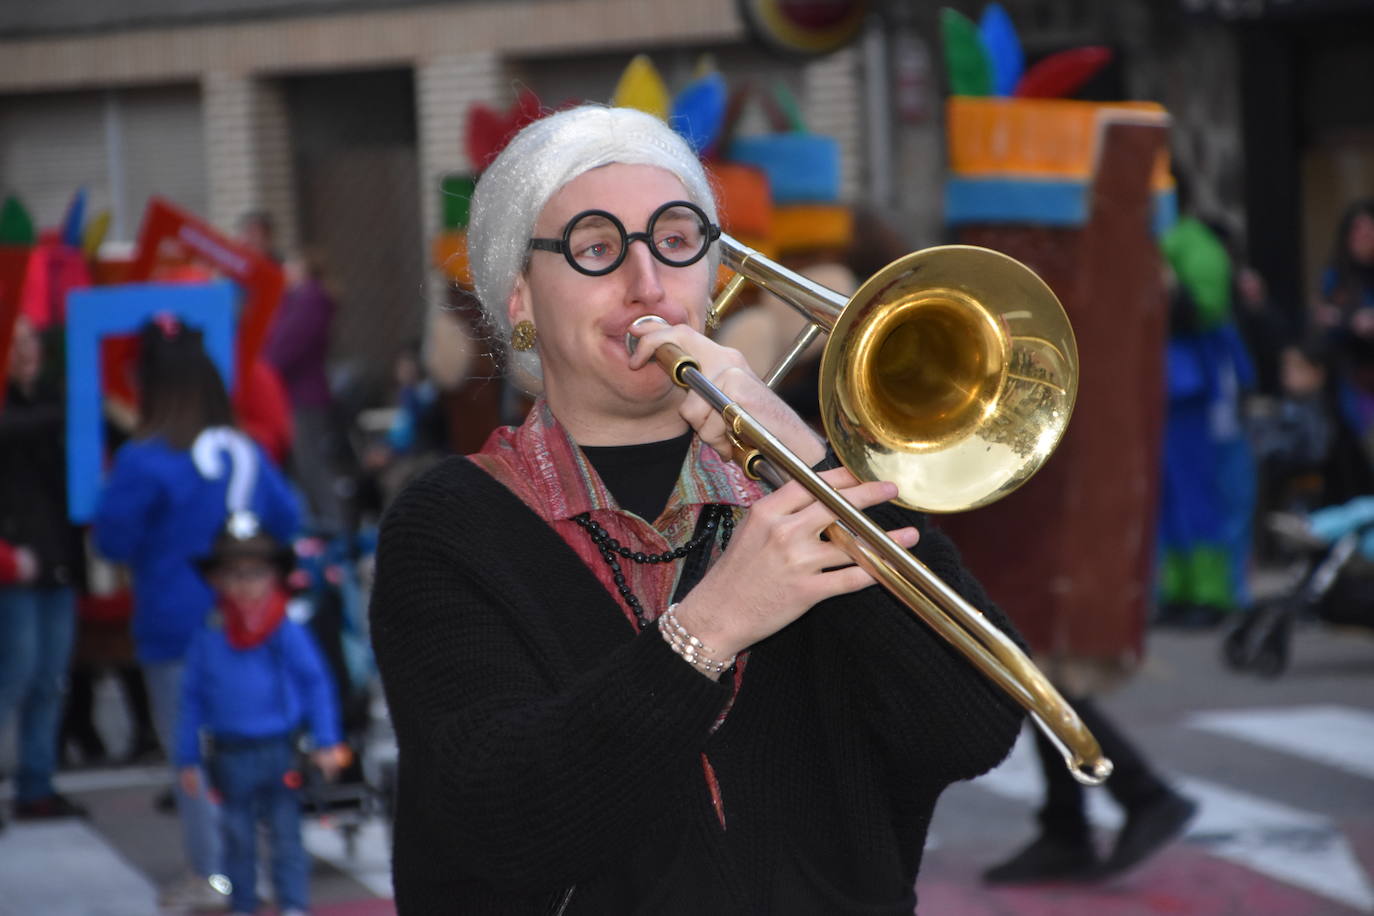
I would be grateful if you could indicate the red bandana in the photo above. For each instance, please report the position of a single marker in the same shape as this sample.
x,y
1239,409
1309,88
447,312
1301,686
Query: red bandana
x,y
249,625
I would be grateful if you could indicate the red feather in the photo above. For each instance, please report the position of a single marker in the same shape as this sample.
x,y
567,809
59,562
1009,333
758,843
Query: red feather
x,y
1061,75
528,108
486,135
489,131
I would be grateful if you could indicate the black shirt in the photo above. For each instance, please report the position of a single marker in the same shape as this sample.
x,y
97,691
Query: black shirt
x,y
641,477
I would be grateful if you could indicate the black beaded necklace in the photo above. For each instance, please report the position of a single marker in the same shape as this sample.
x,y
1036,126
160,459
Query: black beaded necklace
x,y
713,516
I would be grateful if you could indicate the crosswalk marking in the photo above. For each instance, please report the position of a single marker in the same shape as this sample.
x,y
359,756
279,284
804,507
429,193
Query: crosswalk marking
x,y
1297,847
1338,736
71,782
370,863
63,868
66,868
41,889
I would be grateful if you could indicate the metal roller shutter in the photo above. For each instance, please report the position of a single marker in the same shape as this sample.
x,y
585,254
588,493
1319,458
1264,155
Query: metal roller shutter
x,y
122,146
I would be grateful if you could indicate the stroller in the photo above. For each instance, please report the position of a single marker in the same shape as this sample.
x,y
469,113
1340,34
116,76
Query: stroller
x,y
1330,580
331,598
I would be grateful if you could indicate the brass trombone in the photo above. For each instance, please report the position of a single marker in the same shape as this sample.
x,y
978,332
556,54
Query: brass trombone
x,y
926,384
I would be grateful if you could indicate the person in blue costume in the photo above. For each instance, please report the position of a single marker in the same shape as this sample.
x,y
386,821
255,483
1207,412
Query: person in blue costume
x,y
254,679
1209,482
159,510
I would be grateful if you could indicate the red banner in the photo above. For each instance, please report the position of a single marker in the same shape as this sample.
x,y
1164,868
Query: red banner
x,y
14,260
171,235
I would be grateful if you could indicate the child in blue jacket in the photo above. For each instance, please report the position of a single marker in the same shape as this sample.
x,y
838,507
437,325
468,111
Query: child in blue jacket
x,y
254,678
160,508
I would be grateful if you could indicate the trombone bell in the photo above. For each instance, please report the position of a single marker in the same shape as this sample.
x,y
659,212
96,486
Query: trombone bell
x,y
925,370
952,372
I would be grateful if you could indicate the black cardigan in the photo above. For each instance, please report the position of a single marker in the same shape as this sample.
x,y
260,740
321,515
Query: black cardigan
x,y
545,746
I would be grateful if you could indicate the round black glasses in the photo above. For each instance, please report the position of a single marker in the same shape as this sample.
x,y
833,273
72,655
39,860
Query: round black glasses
x,y
595,242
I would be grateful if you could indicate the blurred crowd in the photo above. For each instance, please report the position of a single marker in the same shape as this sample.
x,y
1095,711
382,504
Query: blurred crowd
x,y
1268,409
239,506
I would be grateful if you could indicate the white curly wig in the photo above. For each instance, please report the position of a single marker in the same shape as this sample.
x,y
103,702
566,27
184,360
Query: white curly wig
x,y
543,157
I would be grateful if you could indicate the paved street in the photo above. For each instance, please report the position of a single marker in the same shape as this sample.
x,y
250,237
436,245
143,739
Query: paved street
x,y
1283,770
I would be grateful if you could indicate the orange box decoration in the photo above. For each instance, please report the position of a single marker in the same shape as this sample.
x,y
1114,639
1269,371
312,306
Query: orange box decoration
x,y
746,201
1038,138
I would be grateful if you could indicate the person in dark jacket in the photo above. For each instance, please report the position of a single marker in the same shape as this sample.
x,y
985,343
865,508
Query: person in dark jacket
x,y
254,678
624,678
298,348
38,605
1344,313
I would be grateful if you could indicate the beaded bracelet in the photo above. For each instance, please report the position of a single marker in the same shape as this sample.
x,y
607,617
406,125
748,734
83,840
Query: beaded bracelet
x,y
696,653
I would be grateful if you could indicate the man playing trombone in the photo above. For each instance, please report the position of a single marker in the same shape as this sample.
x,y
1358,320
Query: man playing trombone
x,y
625,677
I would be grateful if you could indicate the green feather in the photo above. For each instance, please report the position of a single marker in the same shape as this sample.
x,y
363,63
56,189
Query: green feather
x,y
16,226
967,65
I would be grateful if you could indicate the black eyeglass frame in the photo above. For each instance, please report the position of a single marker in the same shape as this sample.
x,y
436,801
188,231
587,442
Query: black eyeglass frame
x,y
562,245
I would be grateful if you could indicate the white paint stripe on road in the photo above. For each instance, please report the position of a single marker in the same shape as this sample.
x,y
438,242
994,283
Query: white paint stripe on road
x,y
1297,847
1337,736
370,863
70,782
1288,844
64,868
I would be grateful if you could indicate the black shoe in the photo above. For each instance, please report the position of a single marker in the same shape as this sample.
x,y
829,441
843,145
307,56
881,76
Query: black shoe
x,y
1148,829
51,807
87,757
91,746
143,749
1190,616
1046,859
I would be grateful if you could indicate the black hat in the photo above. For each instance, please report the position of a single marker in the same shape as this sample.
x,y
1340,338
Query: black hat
x,y
244,536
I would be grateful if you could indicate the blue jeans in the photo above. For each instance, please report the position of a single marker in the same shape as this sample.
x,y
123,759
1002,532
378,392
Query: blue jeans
x,y
250,777
198,814
37,626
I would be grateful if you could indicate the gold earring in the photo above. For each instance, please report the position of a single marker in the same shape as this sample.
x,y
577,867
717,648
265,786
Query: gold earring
x,y
522,336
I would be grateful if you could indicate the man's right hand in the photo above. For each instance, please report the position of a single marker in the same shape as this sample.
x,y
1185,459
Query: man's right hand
x,y
778,566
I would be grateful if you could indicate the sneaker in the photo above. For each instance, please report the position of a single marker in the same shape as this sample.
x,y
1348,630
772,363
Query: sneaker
x,y
1184,616
90,748
1046,859
196,893
52,806
1148,829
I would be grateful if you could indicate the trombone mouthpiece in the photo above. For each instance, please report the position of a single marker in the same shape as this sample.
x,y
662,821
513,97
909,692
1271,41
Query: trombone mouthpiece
x,y
631,341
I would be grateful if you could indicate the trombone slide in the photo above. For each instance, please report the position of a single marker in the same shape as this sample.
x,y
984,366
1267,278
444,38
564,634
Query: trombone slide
x,y
908,579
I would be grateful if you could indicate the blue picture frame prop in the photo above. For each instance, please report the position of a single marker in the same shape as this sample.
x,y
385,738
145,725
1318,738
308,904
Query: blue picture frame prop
x,y
99,312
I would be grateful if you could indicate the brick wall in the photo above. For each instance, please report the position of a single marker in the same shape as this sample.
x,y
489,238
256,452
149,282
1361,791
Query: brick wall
x,y
832,99
351,41
247,151
446,86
